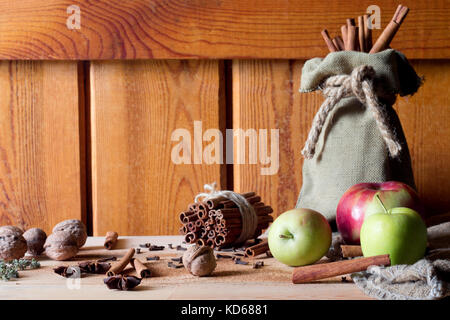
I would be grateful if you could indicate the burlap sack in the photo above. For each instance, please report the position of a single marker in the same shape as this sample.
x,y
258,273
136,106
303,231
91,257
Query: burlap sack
x,y
352,144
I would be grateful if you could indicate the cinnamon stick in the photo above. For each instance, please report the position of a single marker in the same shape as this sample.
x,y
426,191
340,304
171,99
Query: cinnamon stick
x,y
110,240
141,269
328,41
367,33
118,267
391,29
327,270
344,32
349,251
339,43
361,37
257,249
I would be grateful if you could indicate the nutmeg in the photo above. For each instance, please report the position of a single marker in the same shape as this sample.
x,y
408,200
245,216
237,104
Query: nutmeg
x,y
12,244
35,238
199,260
76,227
61,245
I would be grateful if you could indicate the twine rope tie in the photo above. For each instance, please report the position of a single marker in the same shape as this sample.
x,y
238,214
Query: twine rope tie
x,y
248,214
360,84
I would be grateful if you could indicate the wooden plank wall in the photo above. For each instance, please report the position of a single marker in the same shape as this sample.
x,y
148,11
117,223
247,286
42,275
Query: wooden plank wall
x,y
122,113
41,163
136,105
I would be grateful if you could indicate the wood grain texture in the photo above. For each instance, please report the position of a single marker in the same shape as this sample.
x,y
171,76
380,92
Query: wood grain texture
x,y
139,29
135,107
265,95
425,119
39,144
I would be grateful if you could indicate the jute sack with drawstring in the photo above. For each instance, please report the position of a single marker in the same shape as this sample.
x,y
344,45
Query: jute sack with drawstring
x,y
356,135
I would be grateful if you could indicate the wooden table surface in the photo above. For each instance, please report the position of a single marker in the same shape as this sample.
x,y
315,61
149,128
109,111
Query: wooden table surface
x,y
43,283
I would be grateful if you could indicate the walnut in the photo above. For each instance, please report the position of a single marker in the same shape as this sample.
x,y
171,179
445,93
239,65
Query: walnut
x,y
76,227
12,244
13,229
199,260
61,245
35,238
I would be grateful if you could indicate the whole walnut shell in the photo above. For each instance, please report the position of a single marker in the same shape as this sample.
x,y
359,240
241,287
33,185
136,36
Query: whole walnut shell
x,y
35,238
61,245
12,244
199,260
76,227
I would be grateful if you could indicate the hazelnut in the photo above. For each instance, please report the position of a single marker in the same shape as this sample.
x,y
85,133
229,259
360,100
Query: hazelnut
x,y
12,244
76,227
61,245
199,260
35,238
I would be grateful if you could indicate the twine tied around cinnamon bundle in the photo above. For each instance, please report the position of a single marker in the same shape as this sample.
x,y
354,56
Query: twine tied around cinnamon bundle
x,y
360,84
248,214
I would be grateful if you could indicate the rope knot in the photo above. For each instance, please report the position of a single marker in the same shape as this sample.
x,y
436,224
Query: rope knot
x,y
361,85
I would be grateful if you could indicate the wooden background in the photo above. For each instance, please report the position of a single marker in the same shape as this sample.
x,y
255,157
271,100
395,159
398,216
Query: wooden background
x,y
92,139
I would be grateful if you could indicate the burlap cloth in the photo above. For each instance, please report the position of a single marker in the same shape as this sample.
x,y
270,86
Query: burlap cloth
x,y
427,279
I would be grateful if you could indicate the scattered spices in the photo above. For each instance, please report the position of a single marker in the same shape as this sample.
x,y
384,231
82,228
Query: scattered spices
x,y
145,245
181,248
258,264
122,282
170,246
138,250
239,254
227,250
68,271
156,248
154,258
112,258
179,259
199,260
344,279
94,267
170,264
225,256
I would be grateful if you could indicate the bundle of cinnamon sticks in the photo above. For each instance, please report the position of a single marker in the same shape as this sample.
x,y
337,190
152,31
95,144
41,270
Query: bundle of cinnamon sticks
x,y
359,38
217,222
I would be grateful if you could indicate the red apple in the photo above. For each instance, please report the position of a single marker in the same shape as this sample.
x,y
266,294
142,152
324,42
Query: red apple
x,y
359,202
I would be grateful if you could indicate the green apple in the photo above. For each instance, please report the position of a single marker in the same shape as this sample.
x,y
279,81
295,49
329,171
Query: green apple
x,y
299,237
399,232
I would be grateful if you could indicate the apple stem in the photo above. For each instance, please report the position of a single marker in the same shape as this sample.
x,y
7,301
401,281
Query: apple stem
x,y
381,203
285,236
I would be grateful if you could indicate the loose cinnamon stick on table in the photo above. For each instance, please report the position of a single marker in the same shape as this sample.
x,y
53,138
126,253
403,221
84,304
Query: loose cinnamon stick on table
x,y
110,240
328,41
351,251
257,249
327,270
118,267
141,269
391,29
